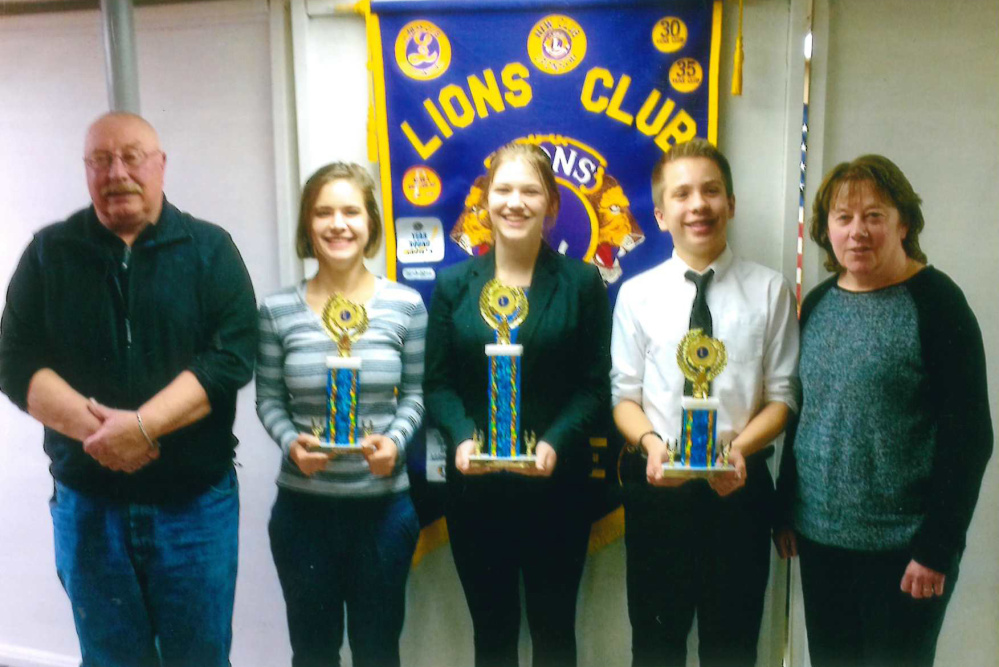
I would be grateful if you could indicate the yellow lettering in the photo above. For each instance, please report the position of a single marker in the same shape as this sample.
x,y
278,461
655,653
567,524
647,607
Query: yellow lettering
x,y
438,119
458,107
614,110
681,128
586,97
519,92
425,150
485,92
641,121
448,96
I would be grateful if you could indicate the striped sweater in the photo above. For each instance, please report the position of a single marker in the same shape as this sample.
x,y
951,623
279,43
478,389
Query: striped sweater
x,y
291,383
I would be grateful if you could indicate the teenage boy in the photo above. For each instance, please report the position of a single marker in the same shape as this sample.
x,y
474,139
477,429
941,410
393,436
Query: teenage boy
x,y
696,545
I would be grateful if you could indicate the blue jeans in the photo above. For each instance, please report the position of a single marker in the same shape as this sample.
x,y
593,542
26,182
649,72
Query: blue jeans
x,y
334,552
150,585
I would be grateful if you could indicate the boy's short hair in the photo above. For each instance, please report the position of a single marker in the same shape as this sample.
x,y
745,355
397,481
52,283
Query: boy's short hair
x,y
692,148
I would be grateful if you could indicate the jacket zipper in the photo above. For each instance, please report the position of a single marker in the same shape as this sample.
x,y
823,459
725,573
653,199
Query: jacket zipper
x,y
122,291
126,257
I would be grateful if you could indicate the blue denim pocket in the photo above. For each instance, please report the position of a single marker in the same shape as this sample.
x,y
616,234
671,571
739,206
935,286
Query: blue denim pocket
x,y
226,485
71,509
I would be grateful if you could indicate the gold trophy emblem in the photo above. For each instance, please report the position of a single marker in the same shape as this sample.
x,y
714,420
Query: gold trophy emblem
x,y
345,322
701,359
504,308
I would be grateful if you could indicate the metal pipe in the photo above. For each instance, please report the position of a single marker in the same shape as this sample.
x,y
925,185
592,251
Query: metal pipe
x,y
23,7
120,66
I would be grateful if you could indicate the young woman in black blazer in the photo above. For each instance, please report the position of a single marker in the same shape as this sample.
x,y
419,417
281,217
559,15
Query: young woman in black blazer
x,y
533,522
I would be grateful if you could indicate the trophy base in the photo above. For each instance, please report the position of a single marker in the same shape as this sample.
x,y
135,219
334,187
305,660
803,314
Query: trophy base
x,y
672,470
330,448
486,462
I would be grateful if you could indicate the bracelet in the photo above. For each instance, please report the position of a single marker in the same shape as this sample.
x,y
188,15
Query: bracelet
x,y
153,444
642,437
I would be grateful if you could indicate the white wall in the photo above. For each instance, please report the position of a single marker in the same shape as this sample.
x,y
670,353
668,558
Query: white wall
x,y
909,79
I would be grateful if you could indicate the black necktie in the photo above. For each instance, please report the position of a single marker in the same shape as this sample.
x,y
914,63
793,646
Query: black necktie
x,y
700,315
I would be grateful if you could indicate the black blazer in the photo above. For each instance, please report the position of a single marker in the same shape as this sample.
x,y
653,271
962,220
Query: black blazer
x,y
565,385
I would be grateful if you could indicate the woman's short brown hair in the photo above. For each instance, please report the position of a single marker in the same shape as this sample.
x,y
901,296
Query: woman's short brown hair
x,y
354,174
891,186
538,160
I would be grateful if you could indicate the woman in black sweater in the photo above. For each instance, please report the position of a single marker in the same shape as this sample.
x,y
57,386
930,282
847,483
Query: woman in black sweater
x,y
880,480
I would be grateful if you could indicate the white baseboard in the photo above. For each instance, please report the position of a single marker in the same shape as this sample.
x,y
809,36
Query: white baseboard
x,y
19,656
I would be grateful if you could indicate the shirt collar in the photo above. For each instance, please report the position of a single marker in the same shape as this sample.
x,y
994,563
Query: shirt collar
x,y
720,265
167,227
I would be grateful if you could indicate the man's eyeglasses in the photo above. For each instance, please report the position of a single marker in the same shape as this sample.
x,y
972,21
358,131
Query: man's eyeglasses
x,y
132,158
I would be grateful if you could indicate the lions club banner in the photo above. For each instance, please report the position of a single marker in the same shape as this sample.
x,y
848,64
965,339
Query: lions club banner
x,y
603,87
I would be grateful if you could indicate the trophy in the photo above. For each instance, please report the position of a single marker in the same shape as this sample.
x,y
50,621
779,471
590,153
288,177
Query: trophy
x,y
701,359
345,322
504,308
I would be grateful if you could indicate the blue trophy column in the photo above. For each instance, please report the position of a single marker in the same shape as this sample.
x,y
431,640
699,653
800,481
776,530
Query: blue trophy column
x,y
504,399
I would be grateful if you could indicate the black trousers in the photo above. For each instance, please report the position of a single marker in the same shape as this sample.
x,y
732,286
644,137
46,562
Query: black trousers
x,y
503,527
690,550
856,614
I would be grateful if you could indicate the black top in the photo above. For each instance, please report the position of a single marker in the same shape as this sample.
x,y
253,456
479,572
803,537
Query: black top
x,y
119,325
565,390
956,401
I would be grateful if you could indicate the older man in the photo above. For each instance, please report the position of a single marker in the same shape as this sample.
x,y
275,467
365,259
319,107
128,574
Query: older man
x,y
127,331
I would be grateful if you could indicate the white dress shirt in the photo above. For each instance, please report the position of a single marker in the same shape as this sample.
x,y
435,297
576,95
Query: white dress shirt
x,y
753,314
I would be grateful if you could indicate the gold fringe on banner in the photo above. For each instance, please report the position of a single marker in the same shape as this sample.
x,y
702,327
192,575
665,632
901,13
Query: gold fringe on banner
x,y
606,530
713,78
739,57
432,537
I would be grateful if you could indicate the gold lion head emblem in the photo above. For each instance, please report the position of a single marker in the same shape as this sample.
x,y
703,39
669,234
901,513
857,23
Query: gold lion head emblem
x,y
472,231
618,232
